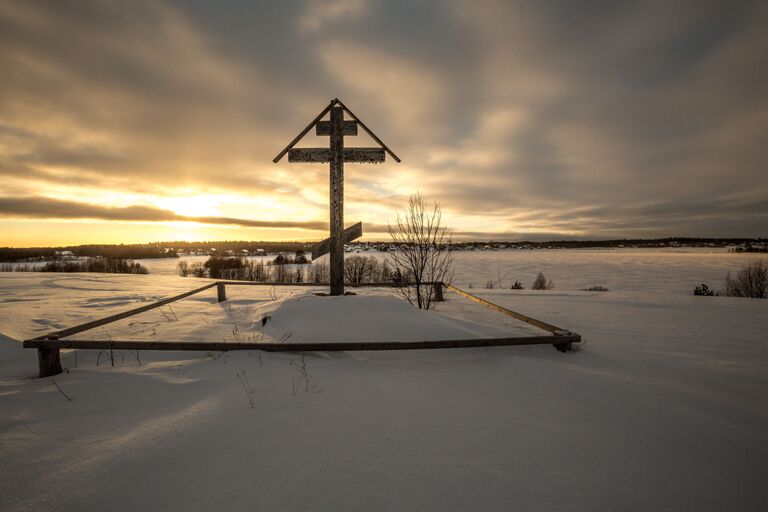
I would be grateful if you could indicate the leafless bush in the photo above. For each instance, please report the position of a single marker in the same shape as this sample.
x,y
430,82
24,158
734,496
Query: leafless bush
x,y
303,374
169,316
221,267
541,283
102,265
704,290
319,272
257,271
423,253
183,268
361,269
197,269
281,274
387,273
490,284
250,391
517,285
596,288
751,281
15,267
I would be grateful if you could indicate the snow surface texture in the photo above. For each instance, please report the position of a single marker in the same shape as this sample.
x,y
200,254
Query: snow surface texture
x,y
663,408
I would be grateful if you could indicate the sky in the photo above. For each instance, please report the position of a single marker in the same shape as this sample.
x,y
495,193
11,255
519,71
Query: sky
x,y
158,120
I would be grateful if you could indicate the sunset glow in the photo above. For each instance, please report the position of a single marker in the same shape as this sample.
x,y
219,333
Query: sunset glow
x,y
133,118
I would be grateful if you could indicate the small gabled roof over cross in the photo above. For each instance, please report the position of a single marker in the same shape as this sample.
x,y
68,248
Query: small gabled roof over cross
x,y
324,128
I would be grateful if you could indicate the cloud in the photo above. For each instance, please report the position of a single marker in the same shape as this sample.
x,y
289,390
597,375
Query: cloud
x,y
588,119
322,13
48,208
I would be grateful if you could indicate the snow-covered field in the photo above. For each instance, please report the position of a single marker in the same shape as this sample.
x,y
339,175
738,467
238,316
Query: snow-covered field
x,y
660,270
664,407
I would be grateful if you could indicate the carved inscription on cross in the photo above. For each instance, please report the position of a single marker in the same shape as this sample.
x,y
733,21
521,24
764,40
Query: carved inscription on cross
x,y
336,154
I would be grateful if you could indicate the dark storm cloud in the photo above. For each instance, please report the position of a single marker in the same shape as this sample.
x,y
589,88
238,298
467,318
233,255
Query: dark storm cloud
x,y
597,118
46,208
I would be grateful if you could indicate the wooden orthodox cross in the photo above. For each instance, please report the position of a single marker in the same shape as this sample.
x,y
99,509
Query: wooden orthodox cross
x,y
336,154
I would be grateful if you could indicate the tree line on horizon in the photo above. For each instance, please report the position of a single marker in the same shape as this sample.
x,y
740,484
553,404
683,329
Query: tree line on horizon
x,y
171,249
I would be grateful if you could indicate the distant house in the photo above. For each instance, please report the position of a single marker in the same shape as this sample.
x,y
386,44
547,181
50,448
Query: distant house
x,y
64,255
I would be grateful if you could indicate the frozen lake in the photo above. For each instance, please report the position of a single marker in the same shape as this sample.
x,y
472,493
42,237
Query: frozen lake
x,y
675,271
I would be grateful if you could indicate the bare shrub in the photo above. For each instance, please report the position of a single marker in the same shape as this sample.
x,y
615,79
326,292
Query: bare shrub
x,y
183,268
281,274
423,251
597,288
517,285
361,269
196,269
704,290
302,375
319,272
249,390
386,274
225,268
103,265
751,281
286,259
15,267
541,283
256,271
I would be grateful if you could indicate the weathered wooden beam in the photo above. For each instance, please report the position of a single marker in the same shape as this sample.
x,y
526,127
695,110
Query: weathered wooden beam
x,y
309,155
514,314
324,128
336,189
438,292
353,232
221,292
323,155
125,314
300,347
367,155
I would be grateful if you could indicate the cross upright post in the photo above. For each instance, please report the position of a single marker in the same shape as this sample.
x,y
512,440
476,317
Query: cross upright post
x,y
337,201
336,128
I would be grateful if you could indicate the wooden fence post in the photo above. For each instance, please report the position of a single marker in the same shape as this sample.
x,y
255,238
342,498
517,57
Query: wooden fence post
x,y
221,292
438,295
49,361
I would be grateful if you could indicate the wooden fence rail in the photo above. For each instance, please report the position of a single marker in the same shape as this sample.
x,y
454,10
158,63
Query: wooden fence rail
x,y
501,309
320,346
125,314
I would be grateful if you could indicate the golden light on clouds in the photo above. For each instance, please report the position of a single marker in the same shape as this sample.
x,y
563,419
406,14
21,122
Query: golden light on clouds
x,y
124,122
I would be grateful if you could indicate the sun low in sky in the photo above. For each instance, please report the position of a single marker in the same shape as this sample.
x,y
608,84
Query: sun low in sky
x,y
148,121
